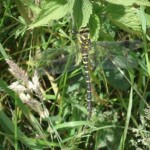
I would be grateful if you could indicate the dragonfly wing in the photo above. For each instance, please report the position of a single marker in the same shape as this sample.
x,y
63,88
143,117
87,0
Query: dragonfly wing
x,y
115,46
117,79
104,53
56,61
113,62
114,54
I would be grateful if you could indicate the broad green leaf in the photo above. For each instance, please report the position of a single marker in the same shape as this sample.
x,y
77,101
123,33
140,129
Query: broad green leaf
x,y
94,24
130,2
127,18
54,10
81,12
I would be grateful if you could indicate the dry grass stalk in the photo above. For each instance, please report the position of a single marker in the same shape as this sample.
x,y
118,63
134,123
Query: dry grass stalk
x,y
26,88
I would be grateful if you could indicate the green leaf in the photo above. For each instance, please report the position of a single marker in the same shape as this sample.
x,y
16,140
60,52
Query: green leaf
x,y
127,18
128,117
81,12
147,19
94,25
71,124
3,52
54,10
129,2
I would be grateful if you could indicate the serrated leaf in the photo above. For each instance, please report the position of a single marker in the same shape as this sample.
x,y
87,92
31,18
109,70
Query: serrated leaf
x,y
127,18
94,25
54,10
129,2
81,12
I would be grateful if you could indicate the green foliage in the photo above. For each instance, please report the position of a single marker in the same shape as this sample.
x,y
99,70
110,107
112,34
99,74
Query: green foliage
x,y
129,2
81,12
48,110
94,25
122,16
52,10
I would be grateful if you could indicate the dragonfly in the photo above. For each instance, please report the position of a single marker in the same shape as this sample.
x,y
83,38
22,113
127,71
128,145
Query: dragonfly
x,y
102,53
109,54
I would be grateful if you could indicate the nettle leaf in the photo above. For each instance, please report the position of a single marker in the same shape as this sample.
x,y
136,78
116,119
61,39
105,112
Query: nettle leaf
x,y
127,18
129,2
81,12
94,25
53,10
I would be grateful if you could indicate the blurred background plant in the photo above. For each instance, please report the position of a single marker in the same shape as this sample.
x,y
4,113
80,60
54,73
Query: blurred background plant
x,y
48,111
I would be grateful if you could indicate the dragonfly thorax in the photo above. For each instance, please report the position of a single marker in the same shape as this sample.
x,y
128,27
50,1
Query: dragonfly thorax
x,y
84,39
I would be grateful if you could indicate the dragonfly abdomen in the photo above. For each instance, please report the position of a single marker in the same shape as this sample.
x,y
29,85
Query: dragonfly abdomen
x,y
85,44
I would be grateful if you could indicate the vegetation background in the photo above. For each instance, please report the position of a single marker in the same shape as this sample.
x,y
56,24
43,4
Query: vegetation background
x,y
49,111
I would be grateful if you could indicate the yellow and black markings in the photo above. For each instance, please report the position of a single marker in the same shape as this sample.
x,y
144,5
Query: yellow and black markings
x,y
85,44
